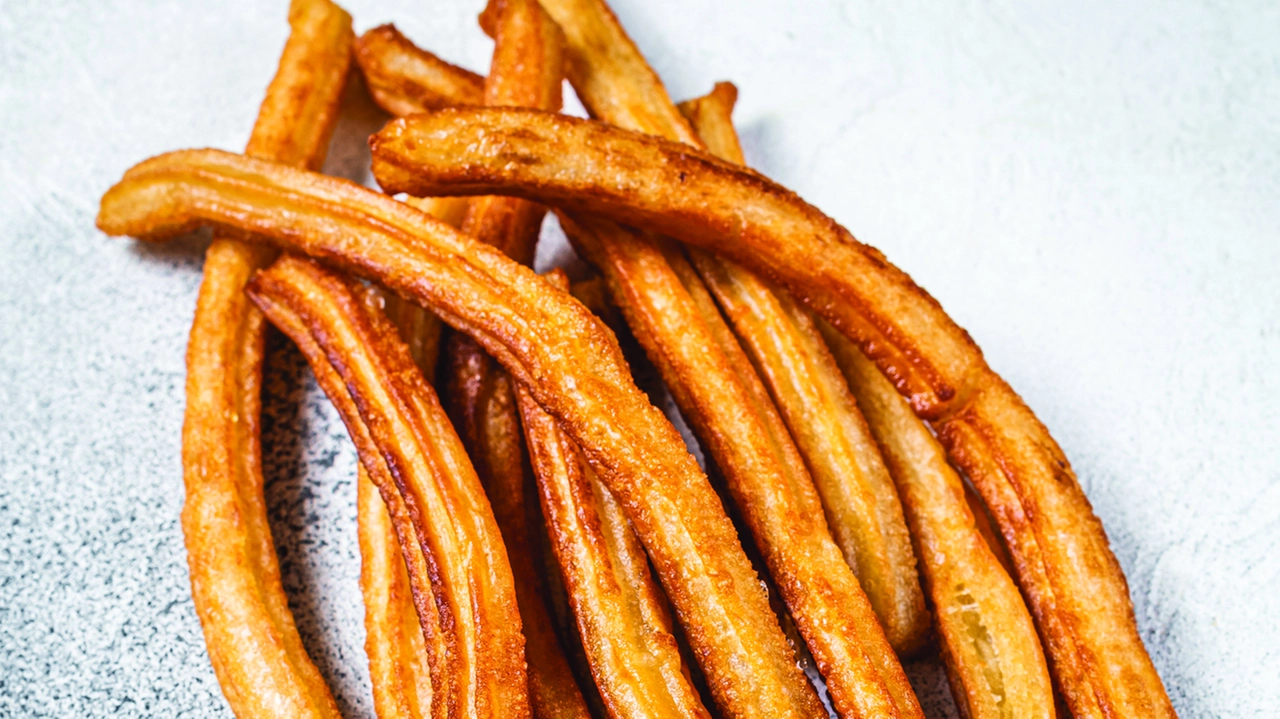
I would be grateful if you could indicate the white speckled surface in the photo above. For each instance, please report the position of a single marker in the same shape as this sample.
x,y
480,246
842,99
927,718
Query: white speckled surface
x,y
1091,188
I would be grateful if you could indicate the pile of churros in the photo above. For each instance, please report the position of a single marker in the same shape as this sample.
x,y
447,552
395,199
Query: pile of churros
x,y
536,539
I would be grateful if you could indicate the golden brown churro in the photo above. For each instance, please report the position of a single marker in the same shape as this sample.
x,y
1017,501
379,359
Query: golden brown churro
x,y
399,667
620,612
526,71
402,78
712,382
993,656
399,670
405,79
261,664
672,313
546,340
447,532
1075,586
481,399
678,190
861,504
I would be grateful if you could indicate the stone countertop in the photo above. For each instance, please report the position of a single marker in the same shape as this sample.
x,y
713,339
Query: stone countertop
x,y
1091,189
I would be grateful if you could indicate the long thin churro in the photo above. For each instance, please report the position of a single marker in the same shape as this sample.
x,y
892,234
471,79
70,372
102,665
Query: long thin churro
x,y
527,71
583,166
546,340
861,504
261,664
671,311
993,655
620,612
450,541
1076,588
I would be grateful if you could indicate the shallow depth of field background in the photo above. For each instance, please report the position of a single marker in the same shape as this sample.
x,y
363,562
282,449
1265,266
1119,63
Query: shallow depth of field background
x,y
1092,189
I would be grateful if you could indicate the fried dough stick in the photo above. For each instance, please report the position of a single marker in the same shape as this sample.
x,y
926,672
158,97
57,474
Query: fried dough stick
x,y
590,167
451,540
261,664
1075,587
398,666
993,655
542,336
719,392
861,504
730,409
619,610
399,663
405,79
527,71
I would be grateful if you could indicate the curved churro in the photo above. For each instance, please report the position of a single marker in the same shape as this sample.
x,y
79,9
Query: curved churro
x,y
399,664
404,79
674,189
861,504
671,311
399,670
401,78
993,655
526,72
619,610
450,540
676,320
1075,586
259,659
547,341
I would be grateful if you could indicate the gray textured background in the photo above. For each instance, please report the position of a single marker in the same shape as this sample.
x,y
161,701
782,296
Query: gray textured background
x,y
1092,190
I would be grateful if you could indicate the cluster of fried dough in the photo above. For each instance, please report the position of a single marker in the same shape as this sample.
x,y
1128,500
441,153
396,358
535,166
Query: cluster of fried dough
x,y
538,540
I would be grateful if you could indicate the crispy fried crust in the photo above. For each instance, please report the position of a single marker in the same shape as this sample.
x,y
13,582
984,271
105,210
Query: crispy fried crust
x,y
526,71
481,401
858,495
671,311
675,319
419,327
620,612
993,656
423,474
398,665
674,189
1076,588
546,340
254,647
405,79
